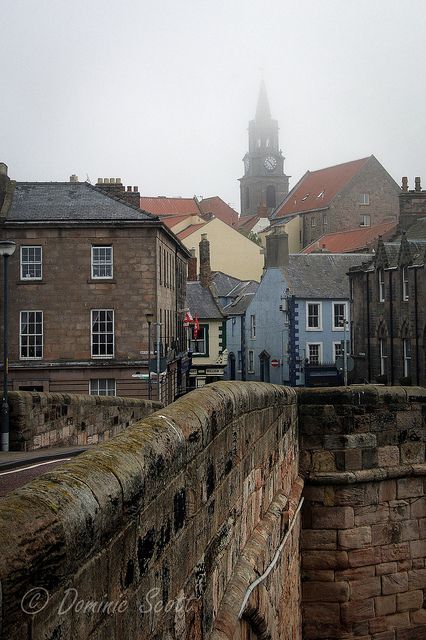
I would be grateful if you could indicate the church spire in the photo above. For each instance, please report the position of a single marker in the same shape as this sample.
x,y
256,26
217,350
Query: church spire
x,y
263,112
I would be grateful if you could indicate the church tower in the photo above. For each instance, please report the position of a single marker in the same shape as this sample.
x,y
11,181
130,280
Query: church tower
x,y
264,183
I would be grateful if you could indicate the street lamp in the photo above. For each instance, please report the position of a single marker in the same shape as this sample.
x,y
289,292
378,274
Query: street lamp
x,y
7,249
149,317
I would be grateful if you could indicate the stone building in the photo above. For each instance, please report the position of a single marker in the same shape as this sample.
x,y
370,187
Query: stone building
x,y
89,266
389,312
351,195
264,183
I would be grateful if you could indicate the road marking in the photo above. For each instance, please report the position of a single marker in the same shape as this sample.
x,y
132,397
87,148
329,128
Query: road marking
x,y
33,466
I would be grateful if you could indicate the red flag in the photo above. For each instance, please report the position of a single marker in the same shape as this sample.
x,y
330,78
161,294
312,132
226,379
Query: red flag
x,y
196,328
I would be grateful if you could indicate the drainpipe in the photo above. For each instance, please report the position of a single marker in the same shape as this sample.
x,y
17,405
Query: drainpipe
x,y
416,321
243,347
391,326
367,293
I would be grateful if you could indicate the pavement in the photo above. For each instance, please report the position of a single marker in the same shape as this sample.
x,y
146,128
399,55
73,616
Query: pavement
x,y
14,459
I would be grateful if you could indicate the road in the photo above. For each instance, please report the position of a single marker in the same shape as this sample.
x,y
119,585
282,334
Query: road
x,y
14,478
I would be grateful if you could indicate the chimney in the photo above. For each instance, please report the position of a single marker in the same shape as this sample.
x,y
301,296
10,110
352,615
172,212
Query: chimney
x,y
205,270
73,178
404,183
276,254
417,185
192,267
115,187
4,182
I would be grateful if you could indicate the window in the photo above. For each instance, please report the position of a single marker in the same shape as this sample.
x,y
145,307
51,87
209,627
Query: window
x,y
381,281
340,314
247,197
31,263
101,262
102,333
364,198
240,361
313,316
198,343
251,361
383,355
404,276
324,220
31,335
271,200
406,353
313,222
337,349
253,327
365,221
314,352
102,387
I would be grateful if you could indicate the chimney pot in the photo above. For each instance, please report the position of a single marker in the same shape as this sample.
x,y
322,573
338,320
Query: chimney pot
x,y
3,169
100,181
404,183
118,181
129,188
135,189
73,178
417,184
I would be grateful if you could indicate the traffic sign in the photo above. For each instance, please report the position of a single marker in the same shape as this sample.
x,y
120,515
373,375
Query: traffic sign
x,y
275,363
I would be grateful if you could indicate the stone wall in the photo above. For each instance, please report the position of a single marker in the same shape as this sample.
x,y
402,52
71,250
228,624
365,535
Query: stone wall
x,y
39,420
160,532
364,529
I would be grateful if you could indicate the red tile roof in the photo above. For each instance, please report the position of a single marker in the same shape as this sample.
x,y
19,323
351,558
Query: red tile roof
x,y
316,189
172,221
355,240
219,209
187,232
248,222
161,206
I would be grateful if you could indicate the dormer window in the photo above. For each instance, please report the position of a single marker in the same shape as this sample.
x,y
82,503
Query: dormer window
x,y
305,197
321,194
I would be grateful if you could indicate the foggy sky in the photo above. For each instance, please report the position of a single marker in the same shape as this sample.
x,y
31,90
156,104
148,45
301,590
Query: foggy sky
x,y
160,93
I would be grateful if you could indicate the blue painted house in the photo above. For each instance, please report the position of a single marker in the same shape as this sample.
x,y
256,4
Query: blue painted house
x,y
291,330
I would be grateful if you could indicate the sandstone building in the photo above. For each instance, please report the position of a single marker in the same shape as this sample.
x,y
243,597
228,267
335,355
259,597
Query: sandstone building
x,y
89,266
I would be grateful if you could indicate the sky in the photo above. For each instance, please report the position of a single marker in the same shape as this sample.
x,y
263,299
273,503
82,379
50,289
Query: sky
x,y
160,93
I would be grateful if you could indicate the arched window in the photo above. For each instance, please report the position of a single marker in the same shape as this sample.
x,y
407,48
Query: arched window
x,y
247,198
271,200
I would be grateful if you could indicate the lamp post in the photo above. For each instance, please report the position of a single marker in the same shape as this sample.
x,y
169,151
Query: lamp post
x,y
149,317
7,249
158,358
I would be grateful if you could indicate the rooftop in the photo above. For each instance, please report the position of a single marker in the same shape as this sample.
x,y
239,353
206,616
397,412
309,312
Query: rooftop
x,y
353,240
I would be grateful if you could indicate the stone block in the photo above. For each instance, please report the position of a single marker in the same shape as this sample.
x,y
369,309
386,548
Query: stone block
x,y
325,560
418,617
353,459
371,514
413,453
357,611
385,605
319,539
322,614
385,533
392,552
367,588
409,488
389,623
325,592
394,583
318,575
356,573
418,548
410,530
410,600
399,510
356,538
417,579
388,456
418,633
364,557
332,517
386,567
323,461
387,490
418,508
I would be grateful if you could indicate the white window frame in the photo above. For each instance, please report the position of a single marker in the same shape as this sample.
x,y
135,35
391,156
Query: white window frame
x,y
404,276
108,386
253,327
251,361
406,353
383,355
198,345
337,346
28,335
320,351
313,222
319,327
381,281
345,315
364,199
106,263
92,333
34,263
365,220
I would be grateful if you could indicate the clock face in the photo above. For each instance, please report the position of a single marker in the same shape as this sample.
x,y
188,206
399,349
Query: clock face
x,y
270,163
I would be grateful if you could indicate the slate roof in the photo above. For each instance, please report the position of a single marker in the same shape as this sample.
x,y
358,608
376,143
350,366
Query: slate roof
x,y
321,275
316,189
68,202
161,205
239,306
230,287
201,302
353,240
417,230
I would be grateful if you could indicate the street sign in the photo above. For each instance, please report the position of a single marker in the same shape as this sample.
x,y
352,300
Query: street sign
x,y
340,364
275,363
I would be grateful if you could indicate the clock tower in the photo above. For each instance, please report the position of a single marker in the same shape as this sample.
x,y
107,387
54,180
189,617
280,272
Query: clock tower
x,y
264,183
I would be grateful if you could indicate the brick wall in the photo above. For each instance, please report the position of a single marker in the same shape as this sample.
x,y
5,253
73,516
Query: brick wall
x,y
41,420
364,530
171,521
